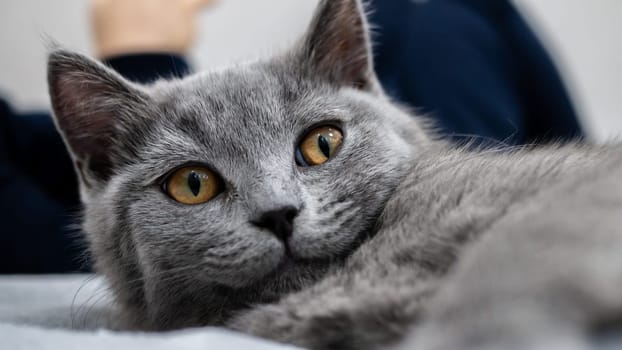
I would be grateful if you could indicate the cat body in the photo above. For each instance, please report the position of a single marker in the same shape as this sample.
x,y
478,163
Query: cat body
x,y
389,283
334,217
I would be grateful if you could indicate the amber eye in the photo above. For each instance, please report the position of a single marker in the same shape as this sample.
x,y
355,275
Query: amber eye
x,y
192,185
318,146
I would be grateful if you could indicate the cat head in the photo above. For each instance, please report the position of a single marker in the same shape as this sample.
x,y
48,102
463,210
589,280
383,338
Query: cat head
x,y
230,187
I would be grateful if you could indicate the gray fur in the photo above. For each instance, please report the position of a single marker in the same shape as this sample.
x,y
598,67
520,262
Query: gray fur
x,y
392,219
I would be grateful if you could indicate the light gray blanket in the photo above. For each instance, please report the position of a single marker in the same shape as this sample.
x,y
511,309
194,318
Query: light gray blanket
x,y
68,312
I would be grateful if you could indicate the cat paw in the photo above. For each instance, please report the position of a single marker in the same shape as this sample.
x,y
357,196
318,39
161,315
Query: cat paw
x,y
333,316
322,330
268,321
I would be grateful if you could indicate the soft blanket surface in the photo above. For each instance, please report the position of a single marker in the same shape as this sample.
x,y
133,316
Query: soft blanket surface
x,y
69,312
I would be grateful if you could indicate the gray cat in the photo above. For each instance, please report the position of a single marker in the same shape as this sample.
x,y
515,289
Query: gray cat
x,y
289,198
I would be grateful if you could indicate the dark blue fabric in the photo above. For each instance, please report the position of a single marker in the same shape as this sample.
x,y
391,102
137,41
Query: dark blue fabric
x,y
474,66
145,68
38,187
37,194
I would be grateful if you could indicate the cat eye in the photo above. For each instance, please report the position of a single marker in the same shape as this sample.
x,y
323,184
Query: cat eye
x,y
192,185
318,146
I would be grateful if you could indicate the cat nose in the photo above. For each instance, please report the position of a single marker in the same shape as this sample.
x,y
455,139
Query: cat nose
x,y
279,221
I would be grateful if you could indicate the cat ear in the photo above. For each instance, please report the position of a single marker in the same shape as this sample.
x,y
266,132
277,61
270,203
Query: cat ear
x,y
337,45
92,105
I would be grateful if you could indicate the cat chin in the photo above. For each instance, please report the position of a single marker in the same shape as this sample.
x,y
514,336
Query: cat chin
x,y
288,272
289,276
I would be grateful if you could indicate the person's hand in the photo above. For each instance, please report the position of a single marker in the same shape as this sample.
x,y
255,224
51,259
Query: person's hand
x,y
133,26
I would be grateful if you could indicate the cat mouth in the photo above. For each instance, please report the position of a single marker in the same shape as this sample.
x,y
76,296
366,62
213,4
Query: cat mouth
x,y
289,255
291,261
287,263
290,275
293,267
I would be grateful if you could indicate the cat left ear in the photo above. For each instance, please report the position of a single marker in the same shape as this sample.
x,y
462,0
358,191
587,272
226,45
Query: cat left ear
x,y
337,45
94,108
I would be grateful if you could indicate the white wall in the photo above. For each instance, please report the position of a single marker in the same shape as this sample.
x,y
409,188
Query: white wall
x,y
585,35
230,30
22,50
240,29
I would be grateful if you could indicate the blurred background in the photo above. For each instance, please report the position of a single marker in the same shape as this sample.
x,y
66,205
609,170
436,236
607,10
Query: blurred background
x,y
583,36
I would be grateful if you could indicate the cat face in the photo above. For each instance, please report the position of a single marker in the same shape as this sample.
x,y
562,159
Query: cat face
x,y
234,186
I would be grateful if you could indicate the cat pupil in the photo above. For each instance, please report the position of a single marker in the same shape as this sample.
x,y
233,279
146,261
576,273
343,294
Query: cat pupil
x,y
194,183
324,146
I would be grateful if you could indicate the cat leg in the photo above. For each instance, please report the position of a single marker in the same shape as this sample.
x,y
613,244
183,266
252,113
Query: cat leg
x,y
358,311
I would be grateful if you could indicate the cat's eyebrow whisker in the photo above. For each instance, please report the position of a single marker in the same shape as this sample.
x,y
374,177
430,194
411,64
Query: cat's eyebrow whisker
x,y
472,137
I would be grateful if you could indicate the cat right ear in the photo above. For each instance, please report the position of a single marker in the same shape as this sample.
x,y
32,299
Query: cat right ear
x,y
337,48
92,106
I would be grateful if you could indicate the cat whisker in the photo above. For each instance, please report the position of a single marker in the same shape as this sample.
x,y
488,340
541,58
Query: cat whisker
x,y
175,273
72,308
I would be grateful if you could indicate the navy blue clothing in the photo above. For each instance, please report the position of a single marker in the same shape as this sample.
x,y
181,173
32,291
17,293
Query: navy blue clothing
x,y
38,192
475,66
145,68
38,188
